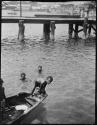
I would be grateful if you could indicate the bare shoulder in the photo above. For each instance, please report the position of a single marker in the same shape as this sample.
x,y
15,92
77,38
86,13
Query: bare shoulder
x,y
40,80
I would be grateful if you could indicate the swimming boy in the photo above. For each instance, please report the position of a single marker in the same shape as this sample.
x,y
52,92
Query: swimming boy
x,y
23,77
39,69
25,83
40,76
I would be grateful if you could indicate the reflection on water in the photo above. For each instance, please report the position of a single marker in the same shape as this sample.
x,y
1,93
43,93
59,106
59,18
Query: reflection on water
x,y
71,96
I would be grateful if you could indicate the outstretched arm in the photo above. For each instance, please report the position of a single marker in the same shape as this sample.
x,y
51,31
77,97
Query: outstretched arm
x,y
34,88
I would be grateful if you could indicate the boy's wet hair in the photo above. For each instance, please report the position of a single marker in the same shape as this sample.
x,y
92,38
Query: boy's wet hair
x,y
39,68
23,74
51,78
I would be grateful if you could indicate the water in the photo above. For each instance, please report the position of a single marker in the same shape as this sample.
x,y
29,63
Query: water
x,y
71,97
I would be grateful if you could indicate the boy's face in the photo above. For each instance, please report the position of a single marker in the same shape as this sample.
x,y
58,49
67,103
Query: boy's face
x,y
22,76
39,68
48,80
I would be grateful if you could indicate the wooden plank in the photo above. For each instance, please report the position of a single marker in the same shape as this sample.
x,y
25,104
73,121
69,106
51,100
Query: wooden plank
x,y
93,28
80,30
44,20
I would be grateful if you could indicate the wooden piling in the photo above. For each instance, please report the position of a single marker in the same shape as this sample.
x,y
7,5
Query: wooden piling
x,y
85,26
53,27
21,31
76,31
70,30
46,30
89,30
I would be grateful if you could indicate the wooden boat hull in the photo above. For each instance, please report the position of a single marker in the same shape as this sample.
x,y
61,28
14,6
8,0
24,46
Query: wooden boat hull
x,y
19,106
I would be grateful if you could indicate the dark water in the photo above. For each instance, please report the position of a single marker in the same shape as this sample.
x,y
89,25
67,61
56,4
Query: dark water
x,y
71,97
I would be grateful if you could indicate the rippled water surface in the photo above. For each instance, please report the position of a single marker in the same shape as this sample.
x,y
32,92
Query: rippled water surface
x,y
71,96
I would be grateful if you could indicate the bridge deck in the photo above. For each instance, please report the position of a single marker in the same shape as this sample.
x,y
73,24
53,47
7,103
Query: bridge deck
x,y
13,19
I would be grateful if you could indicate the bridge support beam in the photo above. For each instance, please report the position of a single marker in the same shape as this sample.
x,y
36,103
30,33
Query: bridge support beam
x,y
89,30
53,27
85,26
46,30
76,31
70,31
21,31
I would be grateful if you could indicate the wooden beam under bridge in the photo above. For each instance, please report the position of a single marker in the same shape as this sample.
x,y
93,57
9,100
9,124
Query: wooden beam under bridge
x,y
45,20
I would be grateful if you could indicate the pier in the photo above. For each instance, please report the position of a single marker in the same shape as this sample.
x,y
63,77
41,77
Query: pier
x,y
58,20
73,23
49,20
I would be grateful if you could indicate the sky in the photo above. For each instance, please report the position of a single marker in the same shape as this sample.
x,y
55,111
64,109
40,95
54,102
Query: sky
x,y
69,2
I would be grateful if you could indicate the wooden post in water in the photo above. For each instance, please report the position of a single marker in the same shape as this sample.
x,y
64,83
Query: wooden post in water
x,y
47,27
76,31
53,27
89,31
70,30
46,30
85,26
21,31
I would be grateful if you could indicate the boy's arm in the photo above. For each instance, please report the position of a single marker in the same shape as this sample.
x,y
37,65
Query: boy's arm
x,y
33,88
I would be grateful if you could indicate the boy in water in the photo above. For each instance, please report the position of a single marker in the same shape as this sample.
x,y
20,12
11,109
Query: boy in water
x,y
25,83
41,84
40,69
40,76
23,77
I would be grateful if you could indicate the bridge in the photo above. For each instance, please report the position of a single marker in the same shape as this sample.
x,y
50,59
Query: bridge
x,y
50,21
58,20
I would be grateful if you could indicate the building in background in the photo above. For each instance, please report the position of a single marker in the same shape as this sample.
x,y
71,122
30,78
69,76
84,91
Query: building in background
x,y
29,8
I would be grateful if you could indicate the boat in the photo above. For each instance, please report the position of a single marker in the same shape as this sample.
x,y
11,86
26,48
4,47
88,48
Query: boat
x,y
19,106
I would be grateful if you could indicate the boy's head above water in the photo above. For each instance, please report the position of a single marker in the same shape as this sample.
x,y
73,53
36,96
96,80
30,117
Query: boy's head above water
x,y
39,69
49,79
23,76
